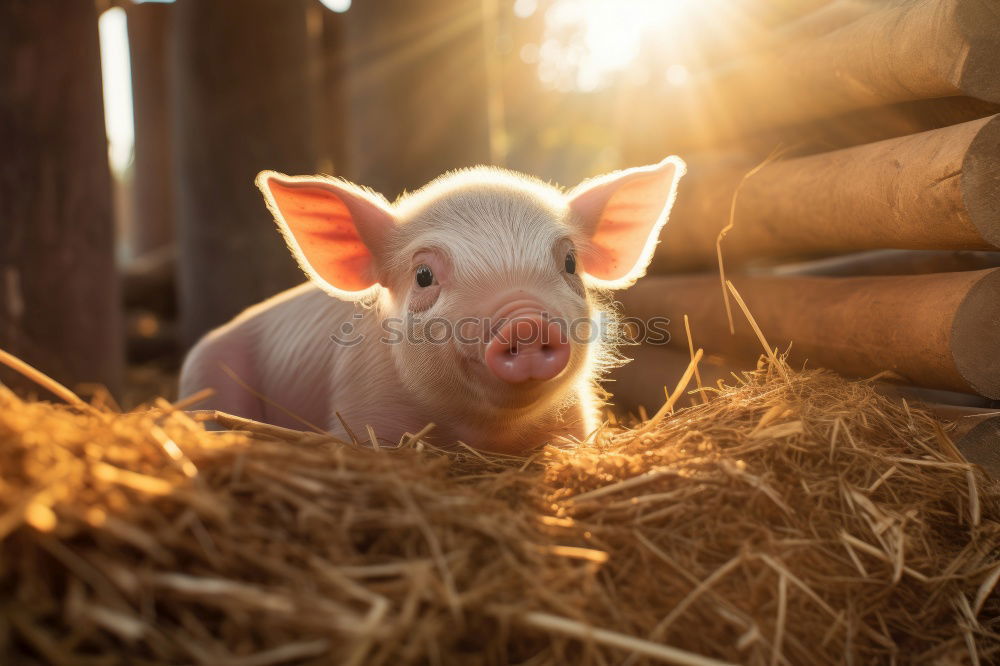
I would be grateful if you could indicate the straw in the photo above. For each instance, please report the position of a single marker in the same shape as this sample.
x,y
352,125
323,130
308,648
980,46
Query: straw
x,y
794,518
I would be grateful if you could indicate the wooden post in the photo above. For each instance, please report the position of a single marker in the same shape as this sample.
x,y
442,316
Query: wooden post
x,y
59,300
418,86
333,113
641,381
940,330
894,52
242,103
152,181
933,190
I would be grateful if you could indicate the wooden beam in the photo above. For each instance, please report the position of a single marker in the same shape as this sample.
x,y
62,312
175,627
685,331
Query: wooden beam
x,y
980,444
893,262
893,52
242,102
152,226
963,418
933,190
418,91
59,298
940,330
641,381
869,125
647,137
332,124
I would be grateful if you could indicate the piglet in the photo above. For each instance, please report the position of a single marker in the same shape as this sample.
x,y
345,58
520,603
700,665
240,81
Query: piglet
x,y
479,303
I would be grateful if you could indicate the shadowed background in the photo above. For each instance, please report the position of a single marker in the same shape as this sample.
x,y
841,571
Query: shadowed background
x,y
132,132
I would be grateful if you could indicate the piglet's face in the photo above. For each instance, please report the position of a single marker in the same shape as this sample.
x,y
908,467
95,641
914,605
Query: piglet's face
x,y
484,279
483,270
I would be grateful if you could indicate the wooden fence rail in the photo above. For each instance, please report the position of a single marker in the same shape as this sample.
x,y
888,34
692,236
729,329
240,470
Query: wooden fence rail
x,y
936,330
932,190
890,52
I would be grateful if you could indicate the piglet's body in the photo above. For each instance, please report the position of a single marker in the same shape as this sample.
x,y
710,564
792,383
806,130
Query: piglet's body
x,y
282,348
473,303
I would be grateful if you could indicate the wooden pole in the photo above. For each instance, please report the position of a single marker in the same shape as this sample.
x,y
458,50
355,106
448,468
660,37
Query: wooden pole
x,y
894,52
980,444
647,137
59,299
641,381
152,182
242,102
870,125
940,330
933,190
963,417
893,262
418,91
333,122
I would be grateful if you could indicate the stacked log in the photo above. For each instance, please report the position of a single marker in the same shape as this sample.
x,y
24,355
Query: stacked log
x,y
895,209
940,330
932,190
893,262
847,56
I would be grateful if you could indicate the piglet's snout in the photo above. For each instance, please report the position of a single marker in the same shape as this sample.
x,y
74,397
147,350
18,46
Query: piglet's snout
x,y
527,347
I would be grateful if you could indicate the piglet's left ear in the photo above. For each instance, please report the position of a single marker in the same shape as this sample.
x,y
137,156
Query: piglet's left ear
x,y
622,215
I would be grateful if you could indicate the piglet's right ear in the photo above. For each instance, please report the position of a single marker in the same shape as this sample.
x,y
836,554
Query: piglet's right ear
x,y
337,231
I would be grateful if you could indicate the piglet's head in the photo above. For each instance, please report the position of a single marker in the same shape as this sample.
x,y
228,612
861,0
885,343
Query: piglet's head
x,y
501,269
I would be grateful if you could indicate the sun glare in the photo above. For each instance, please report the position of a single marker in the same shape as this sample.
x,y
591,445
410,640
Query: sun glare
x,y
117,78
339,6
587,42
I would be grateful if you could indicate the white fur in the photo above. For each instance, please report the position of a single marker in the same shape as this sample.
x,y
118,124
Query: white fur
x,y
499,229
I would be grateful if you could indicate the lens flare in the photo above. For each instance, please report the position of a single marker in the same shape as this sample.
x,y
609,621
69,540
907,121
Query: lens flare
x,y
116,74
587,42
339,6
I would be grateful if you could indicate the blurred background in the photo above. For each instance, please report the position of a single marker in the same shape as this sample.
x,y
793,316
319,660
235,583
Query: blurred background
x,y
131,132
136,128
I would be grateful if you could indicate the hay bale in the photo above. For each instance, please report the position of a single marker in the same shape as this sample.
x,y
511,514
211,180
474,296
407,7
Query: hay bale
x,y
793,518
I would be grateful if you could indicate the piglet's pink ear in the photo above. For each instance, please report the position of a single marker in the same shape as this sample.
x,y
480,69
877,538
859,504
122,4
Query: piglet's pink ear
x,y
622,214
336,230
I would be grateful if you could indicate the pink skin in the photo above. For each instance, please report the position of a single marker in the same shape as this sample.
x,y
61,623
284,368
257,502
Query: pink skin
x,y
499,246
523,344
527,347
501,381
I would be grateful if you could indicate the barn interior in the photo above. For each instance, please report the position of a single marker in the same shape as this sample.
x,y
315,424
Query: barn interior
x,y
806,471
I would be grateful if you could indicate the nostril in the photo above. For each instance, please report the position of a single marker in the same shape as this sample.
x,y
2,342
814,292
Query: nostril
x,y
527,348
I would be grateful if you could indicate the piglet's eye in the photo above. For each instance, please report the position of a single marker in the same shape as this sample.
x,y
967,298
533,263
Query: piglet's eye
x,y
425,277
570,262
